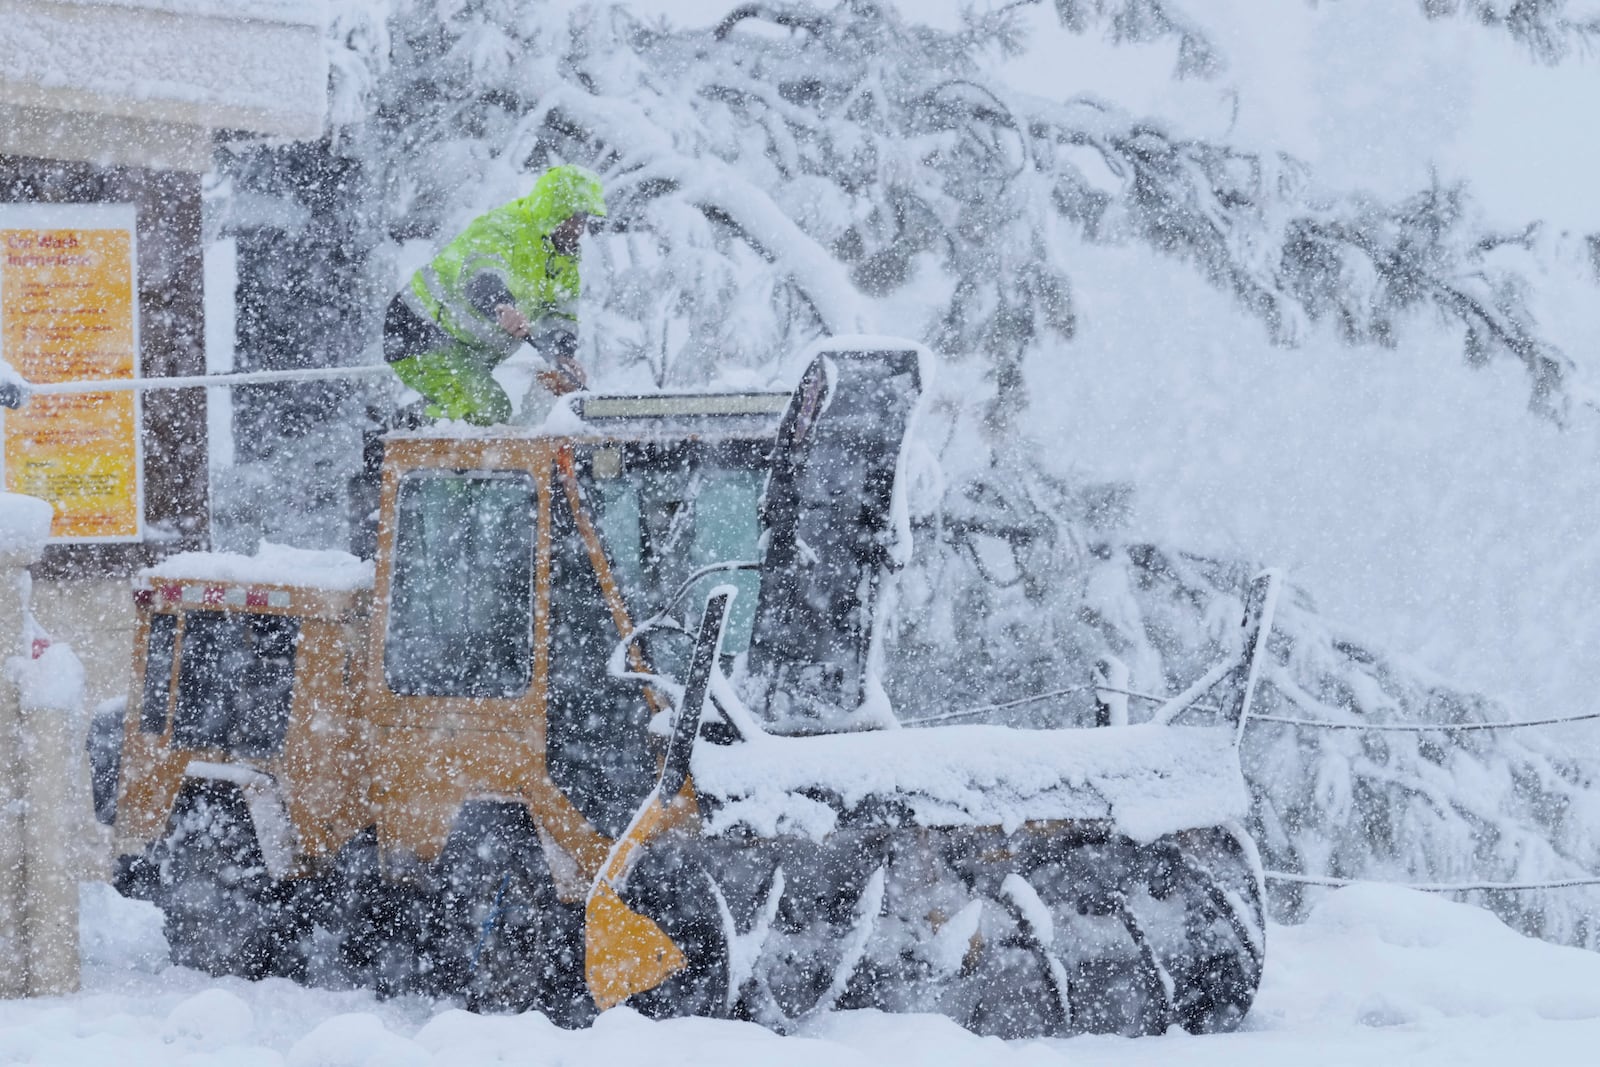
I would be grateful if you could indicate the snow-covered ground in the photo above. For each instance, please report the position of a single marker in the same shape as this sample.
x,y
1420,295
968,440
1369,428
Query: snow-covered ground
x,y
1377,976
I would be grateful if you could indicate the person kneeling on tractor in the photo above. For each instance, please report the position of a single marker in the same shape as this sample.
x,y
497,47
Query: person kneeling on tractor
x,y
511,276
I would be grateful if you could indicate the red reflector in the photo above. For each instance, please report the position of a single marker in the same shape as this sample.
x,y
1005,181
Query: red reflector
x,y
255,598
172,593
212,596
142,598
39,645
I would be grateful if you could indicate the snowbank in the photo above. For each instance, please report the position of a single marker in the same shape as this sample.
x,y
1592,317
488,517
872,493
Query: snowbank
x,y
24,522
1376,976
1403,958
1149,780
50,681
271,565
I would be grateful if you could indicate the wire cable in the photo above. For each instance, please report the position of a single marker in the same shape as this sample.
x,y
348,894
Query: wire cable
x,y
1431,887
1284,720
1419,727
945,716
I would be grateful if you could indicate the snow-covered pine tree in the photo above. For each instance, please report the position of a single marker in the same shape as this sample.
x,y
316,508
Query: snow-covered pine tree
x,y
802,168
1546,27
833,174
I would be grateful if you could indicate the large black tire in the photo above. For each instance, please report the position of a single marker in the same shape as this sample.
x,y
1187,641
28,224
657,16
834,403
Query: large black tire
x,y
673,889
1129,919
500,936
219,911
352,915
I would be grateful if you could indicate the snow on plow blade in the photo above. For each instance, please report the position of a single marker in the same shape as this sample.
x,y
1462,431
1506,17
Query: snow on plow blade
x,y
1142,781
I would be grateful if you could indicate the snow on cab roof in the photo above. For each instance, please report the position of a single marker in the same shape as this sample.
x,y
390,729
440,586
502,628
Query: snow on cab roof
x,y
750,413
272,564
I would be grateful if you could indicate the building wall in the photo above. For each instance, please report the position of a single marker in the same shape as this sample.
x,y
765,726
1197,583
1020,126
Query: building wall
x,y
119,103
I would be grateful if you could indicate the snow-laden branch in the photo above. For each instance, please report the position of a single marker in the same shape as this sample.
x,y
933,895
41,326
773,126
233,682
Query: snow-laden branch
x,y
1544,26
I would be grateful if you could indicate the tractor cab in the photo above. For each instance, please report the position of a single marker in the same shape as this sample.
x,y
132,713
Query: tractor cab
x,y
510,566
298,715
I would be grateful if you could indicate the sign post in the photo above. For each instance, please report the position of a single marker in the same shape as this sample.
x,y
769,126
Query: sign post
x,y
69,311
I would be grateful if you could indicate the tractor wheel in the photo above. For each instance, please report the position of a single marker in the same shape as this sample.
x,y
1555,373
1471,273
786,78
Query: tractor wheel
x,y
1151,935
216,897
372,943
676,892
521,952
502,938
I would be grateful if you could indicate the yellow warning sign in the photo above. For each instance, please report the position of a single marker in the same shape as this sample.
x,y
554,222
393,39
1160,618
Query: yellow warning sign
x,y
68,313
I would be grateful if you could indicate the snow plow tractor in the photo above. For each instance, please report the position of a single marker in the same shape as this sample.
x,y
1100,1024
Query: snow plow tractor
x,y
505,763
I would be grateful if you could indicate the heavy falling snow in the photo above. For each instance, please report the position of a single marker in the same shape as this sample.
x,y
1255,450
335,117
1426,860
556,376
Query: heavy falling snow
x,y
1192,402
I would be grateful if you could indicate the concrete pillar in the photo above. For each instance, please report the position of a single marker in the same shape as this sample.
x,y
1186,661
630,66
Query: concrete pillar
x,y
97,616
38,889
53,816
13,942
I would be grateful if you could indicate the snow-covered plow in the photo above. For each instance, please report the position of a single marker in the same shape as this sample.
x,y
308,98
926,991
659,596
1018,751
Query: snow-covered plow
x,y
808,854
1021,882
538,802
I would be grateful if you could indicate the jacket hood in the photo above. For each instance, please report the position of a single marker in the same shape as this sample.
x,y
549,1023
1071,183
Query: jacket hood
x,y
562,192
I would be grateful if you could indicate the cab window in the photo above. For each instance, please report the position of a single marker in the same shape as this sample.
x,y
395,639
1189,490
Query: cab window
x,y
235,681
461,597
665,515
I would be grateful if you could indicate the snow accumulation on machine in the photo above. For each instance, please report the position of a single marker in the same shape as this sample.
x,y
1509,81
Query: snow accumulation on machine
x,y
499,763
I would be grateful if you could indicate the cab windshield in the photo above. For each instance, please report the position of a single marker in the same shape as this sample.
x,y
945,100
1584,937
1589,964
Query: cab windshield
x,y
661,512
668,510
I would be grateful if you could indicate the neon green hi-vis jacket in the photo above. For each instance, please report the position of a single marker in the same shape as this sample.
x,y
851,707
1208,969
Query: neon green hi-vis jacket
x,y
504,256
